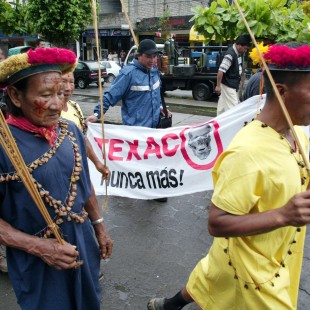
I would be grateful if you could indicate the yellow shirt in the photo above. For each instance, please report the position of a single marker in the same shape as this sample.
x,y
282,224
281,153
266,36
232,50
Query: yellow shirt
x,y
255,174
74,114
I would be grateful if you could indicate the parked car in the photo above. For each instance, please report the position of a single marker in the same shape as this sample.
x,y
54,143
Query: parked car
x,y
86,72
113,69
19,49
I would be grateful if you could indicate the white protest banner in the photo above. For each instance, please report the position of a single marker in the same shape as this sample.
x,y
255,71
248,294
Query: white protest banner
x,y
148,163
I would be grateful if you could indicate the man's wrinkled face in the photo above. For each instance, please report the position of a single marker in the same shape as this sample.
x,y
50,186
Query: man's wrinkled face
x,y
148,61
42,102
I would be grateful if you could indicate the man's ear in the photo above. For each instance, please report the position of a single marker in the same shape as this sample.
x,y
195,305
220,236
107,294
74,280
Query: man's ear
x,y
283,89
15,95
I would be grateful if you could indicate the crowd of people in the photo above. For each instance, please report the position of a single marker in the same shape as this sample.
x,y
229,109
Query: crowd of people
x,y
259,208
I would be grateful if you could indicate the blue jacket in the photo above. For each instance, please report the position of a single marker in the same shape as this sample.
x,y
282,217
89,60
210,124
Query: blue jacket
x,y
139,90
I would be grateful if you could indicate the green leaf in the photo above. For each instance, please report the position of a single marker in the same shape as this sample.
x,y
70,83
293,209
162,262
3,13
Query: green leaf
x,y
210,29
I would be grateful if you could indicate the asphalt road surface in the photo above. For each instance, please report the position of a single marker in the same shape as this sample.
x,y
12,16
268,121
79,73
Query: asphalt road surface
x,y
156,245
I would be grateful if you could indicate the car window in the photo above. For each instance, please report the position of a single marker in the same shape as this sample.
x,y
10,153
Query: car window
x,y
94,66
79,66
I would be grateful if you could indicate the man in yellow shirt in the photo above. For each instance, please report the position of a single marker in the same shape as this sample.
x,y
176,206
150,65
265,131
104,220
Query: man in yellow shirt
x,y
73,112
260,204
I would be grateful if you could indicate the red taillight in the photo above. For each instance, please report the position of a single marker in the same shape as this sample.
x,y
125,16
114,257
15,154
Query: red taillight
x,y
93,74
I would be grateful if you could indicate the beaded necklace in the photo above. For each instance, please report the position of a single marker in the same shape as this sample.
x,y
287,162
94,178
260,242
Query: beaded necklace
x,y
79,115
290,246
62,209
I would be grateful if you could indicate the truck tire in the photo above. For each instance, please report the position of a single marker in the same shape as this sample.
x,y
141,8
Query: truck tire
x,y
202,92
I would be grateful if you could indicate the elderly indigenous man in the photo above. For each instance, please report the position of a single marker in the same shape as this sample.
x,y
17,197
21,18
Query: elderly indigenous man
x,y
72,111
260,204
229,74
42,271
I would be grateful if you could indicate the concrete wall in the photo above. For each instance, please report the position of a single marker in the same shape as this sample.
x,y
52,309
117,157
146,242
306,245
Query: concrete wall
x,y
140,9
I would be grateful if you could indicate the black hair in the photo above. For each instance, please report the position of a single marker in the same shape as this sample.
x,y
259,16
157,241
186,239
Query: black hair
x,y
38,41
290,78
244,40
22,86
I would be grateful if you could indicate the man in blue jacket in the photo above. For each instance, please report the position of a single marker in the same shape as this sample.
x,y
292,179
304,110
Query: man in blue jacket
x,y
138,86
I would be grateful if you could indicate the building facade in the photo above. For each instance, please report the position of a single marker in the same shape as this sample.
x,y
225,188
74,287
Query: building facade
x,y
153,19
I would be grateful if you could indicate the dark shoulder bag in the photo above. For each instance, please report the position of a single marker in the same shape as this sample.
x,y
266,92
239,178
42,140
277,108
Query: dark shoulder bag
x,y
164,120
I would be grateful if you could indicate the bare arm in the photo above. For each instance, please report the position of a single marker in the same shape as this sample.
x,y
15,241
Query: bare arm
x,y
49,250
104,240
295,213
219,81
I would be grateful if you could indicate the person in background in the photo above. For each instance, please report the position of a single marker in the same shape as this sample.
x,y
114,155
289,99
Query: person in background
x,y
138,86
40,43
229,74
44,273
122,56
73,112
255,85
115,57
260,206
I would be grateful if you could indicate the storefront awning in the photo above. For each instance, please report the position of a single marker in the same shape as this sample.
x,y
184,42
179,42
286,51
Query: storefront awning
x,y
195,36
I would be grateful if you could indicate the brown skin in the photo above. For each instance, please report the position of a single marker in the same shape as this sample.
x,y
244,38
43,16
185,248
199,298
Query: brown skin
x,y
2,56
103,238
68,85
296,212
42,104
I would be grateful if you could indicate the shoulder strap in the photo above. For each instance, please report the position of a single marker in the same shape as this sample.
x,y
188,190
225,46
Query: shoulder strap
x,y
163,103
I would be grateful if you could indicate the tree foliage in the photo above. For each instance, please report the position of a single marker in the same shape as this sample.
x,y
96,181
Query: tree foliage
x,y
272,20
14,18
59,21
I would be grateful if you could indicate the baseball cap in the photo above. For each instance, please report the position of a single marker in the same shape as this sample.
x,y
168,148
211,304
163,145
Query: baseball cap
x,y
148,47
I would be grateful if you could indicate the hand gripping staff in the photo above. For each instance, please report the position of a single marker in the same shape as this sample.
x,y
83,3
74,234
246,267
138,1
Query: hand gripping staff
x,y
9,145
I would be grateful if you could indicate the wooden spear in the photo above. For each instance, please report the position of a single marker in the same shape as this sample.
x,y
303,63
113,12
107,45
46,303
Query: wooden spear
x,y
103,149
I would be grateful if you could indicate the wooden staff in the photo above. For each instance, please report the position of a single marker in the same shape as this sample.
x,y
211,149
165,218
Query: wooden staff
x,y
9,145
103,149
129,23
283,107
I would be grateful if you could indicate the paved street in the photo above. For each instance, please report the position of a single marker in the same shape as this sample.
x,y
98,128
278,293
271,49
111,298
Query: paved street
x,y
156,245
